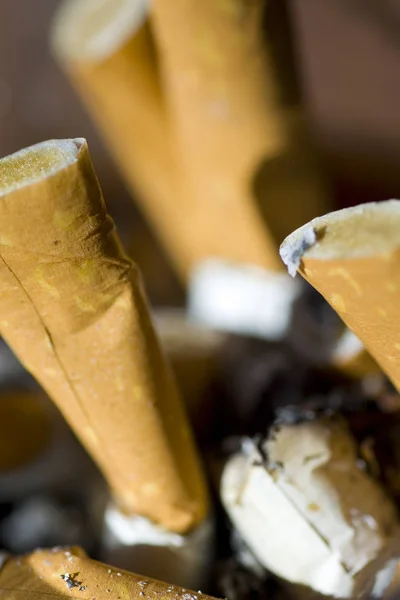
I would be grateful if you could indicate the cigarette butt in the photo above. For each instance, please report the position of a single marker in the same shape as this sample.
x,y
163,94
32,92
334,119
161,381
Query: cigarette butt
x,y
69,573
106,50
74,312
247,161
309,513
352,258
217,84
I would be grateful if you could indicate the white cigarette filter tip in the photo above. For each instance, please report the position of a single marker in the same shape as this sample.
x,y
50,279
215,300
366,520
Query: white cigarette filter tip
x,y
242,299
310,514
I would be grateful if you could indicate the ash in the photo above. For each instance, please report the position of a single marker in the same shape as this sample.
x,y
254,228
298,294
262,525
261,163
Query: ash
x,y
72,581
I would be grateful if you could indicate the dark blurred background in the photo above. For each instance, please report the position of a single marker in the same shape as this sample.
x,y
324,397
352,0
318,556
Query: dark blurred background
x,y
348,61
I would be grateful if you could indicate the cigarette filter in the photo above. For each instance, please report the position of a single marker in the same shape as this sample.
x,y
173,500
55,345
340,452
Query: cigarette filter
x,y
309,513
73,310
68,573
106,50
352,257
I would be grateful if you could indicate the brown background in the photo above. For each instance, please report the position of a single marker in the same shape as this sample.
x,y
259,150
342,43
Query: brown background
x,y
348,59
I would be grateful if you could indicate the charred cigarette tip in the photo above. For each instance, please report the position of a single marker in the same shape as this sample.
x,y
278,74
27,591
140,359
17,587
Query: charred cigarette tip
x,y
94,29
37,162
355,232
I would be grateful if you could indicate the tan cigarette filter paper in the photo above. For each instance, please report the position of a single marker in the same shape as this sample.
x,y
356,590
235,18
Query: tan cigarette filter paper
x,y
68,573
353,260
106,50
73,310
216,77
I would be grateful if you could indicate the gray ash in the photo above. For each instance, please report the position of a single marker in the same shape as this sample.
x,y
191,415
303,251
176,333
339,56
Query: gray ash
x,y
71,580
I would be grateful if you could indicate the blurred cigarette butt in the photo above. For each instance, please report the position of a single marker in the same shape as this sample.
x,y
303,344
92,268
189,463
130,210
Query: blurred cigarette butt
x,y
25,428
105,48
69,573
350,357
74,312
194,353
213,64
352,257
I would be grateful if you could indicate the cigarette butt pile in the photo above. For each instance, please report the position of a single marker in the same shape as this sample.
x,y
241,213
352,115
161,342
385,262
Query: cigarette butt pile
x,y
68,573
188,100
74,312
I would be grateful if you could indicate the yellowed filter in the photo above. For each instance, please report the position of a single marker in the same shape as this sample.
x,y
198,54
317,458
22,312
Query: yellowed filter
x,y
69,573
352,257
106,50
73,310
